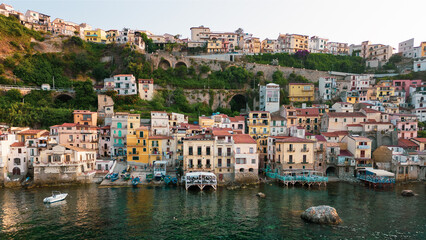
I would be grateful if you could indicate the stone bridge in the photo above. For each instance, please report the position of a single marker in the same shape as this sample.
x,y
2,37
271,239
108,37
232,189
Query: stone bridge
x,y
167,60
216,97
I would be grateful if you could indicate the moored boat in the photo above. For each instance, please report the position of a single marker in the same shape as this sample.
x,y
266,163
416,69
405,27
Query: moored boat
x,y
56,197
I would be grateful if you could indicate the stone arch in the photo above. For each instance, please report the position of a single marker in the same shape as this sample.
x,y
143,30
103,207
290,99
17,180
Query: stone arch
x,y
180,64
237,102
331,171
64,97
164,64
16,171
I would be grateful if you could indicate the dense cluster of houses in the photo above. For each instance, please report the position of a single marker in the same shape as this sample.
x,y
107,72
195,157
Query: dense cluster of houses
x,y
215,42
369,125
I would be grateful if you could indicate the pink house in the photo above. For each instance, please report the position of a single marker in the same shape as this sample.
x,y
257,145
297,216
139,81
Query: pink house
x,y
406,125
405,85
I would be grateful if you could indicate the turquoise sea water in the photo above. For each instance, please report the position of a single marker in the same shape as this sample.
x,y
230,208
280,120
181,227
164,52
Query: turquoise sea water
x,y
91,212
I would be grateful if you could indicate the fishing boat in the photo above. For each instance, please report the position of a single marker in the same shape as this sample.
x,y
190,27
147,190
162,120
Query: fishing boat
x,y
136,181
174,180
149,177
114,177
56,197
167,179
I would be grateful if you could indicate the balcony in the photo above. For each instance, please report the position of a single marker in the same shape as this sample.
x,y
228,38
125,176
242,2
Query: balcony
x,y
117,136
363,147
364,165
134,153
291,150
304,150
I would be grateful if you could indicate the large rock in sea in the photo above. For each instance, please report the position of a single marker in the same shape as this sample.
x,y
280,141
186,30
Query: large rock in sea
x,y
321,215
261,195
407,193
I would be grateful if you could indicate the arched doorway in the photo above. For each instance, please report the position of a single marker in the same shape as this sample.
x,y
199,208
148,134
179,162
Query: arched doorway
x,y
331,171
16,171
164,64
63,99
238,103
180,64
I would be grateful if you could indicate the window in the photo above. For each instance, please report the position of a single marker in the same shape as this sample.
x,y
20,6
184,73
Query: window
x,y
219,151
290,159
304,159
238,150
135,158
199,151
208,151
251,150
219,162
190,151
253,161
141,134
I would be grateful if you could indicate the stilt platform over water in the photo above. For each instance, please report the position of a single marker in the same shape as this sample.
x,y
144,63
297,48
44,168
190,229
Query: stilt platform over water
x,y
200,179
376,177
303,177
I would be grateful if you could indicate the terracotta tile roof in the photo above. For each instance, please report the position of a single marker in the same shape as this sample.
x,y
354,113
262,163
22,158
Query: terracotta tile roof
x,y
68,125
124,75
354,125
237,119
345,153
18,144
200,137
335,134
320,138
406,143
345,114
422,140
221,132
307,111
79,149
31,132
361,138
146,80
370,110
293,140
300,84
243,138
160,137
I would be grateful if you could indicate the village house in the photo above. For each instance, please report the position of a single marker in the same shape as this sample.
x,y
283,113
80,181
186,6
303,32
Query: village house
x,y
146,89
160,123
246,158
258,123
85,117
123,84
64,163
198,154
360,147
301,92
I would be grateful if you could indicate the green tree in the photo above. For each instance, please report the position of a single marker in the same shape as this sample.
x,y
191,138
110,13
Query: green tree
x,y
85,95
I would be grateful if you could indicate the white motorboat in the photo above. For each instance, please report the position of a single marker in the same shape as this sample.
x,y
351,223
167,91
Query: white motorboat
x,y
56,197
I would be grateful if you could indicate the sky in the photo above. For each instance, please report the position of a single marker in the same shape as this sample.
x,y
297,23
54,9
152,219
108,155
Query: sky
x,y
350,21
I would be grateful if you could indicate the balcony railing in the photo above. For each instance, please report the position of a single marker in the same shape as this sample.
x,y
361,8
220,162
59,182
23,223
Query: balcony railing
x,y
363,147
304,150
365,165
291,150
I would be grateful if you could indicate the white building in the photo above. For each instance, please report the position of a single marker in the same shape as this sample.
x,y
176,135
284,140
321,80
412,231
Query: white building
x,y
317,44
6,140
327,88
406,48
278,124
17,163
269,97
146,89
418,97
359,82
419,65
160,123
123,84
246,156
343,107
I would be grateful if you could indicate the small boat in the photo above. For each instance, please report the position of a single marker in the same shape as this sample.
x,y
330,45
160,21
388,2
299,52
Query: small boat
x,y
167,179
174,180
56,197
108,176
136,181
126,176
149,177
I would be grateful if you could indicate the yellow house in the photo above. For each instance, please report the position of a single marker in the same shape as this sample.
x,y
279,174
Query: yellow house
x,y
97,36
258,124
423,49
138,147
360,147
206,122
292,153
133,122
215,45
385,90
111,35
198,153
301,92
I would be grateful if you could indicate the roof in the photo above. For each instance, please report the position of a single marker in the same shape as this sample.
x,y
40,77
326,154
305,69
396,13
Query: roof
x,y
300,84
345,153
199,137
237,119
160,137
79,149
406,143
345,103
360,138
307,111
293,140
17,144
124,75
422,140
370,110
222,132
354,125
334,134
346,114
379,172
320,138
30,132
243,138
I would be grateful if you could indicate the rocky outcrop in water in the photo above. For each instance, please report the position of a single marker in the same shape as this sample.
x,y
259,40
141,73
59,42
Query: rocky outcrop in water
x,y
321,215
407,193
261,195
